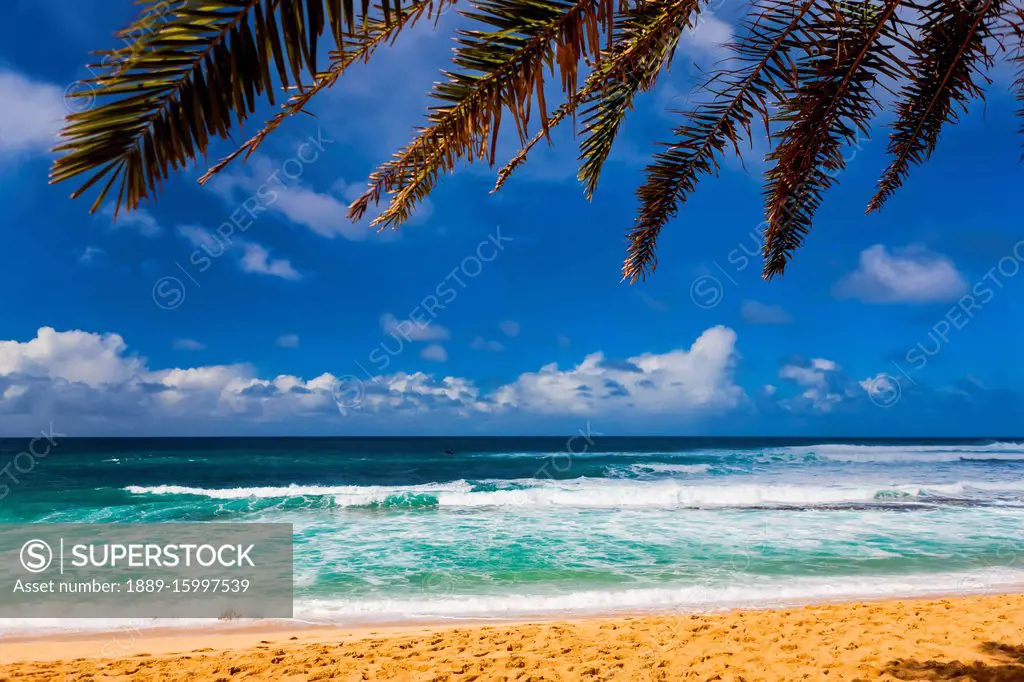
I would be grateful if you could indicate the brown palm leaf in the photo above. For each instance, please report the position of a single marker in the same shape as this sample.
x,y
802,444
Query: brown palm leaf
x,y
946,63
502,69
193,71
835,100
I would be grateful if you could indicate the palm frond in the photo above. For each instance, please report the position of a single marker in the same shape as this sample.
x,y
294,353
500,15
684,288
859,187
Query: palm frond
x,y
648,38
947,59
834,101
193,70
501,68
355,48
639,30
1015,27
742,94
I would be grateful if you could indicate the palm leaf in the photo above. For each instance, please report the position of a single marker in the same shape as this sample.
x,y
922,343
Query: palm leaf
x,y
946,61
765,52
649,35
356,47
193,70
834,101
501,69
641,32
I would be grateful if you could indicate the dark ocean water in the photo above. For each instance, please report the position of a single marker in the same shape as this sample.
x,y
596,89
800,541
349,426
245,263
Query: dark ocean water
x,y
424,528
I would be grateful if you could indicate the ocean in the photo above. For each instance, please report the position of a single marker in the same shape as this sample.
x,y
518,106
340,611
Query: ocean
x,y
392,530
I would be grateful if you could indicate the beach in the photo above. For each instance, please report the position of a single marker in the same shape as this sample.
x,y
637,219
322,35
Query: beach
x,y
957,638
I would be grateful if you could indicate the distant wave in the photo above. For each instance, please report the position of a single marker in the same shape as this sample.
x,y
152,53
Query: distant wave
x,y
906,453
644,469
600,493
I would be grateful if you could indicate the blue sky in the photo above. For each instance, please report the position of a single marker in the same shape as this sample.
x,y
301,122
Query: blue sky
x,y
300,325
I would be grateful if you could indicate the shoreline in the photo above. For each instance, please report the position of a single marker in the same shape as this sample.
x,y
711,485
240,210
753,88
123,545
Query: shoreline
x,y
853,639
295,625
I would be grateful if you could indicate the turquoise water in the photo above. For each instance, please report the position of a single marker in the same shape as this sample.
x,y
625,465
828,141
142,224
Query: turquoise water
x,y
400,530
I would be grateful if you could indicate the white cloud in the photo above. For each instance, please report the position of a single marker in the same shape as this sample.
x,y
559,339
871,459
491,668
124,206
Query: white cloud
x,y
709,35
75,356
755,312
413,330
675,382
261,179
257,259
202,238
31,116
188,344
909,275
90,383
823,386
509,328
479,343
288,341
140,220
91,255
811,374
434,353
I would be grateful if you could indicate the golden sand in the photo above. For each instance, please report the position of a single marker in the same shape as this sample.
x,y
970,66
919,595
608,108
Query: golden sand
x,y
973,638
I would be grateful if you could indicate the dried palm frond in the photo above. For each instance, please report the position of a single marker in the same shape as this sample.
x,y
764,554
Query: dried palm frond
x,y
835,100
632,65
355,47
743,93
1015,26
194,70
947,60
501,69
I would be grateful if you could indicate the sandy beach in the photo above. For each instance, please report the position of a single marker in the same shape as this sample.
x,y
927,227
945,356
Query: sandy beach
x,y
964,638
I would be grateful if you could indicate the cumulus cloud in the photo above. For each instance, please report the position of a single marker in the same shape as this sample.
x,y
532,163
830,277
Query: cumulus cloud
x,y
74,356
31,116
821,385
682,380
91,383
755,312
909,275
509,328
288,341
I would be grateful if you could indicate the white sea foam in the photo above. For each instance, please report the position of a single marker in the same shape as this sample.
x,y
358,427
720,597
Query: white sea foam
x,y
605,493
659,468
739,591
